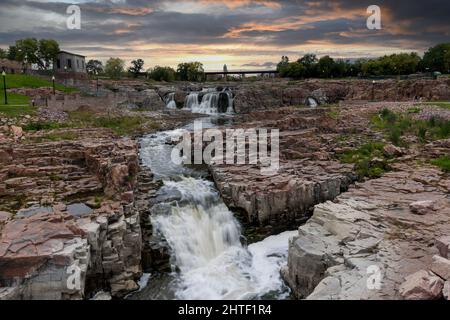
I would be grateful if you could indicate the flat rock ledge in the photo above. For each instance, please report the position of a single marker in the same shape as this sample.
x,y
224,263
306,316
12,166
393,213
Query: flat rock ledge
x,y
373,243
284,199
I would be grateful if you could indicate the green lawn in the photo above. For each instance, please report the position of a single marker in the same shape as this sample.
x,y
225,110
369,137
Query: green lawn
x,y
441,104
14,99
27,81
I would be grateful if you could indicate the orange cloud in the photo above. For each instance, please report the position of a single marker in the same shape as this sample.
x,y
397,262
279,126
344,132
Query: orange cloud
x,y
131,11
233,4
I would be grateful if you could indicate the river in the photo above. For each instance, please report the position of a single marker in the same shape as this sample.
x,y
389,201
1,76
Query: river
x,y
209,259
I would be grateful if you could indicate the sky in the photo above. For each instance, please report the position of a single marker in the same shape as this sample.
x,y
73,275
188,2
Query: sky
x,y
244,34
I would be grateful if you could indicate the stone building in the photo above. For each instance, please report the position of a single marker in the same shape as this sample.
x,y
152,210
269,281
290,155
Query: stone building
x,y
69,62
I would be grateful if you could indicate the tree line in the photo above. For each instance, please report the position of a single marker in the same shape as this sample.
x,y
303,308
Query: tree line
x,y
115,69
435,59
33,51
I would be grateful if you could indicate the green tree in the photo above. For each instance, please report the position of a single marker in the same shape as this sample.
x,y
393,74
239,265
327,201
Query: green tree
x,y
27,50
162,74
47,52
436,58
136,67
295,70
3,54
190,71
94,67
309,61
12,53
114,68
325,67
284,62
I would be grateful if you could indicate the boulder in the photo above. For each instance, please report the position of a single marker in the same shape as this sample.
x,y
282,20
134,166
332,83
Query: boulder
x,y
422,285
443,245
446,290
392,151
441,267
422,207
17,132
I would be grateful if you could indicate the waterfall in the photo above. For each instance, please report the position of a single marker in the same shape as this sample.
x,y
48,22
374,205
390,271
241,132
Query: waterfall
x,y
191,101
212,102
169,99
311,102
204,236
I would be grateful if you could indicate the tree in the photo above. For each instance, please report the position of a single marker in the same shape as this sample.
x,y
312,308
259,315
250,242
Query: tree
x,y
94,67
114,68
284,62
190,71
326,67
436,58
12,53
48,50
136,67
295,70
3,54
27,50
309,61
162,74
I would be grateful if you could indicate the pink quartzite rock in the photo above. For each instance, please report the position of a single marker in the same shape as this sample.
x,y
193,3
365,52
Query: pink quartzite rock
x,y
422,285
443,245
441,267
422,207
446,290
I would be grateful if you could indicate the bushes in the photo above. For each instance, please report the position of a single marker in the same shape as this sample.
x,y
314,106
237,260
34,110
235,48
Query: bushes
x,y
369,160
162,74
397,125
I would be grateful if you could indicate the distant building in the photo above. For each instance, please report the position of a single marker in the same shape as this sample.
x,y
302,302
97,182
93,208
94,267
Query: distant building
x,y
69,62
11,66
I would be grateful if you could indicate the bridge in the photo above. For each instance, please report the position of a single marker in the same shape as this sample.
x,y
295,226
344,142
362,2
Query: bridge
x,y
242,72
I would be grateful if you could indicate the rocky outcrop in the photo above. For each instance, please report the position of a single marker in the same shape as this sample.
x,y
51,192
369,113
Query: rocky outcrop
x,y
77,230
363,245
263,96
285,198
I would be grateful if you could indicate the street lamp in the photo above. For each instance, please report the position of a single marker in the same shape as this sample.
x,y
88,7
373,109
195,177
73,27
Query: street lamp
x,y
96,74
54,89
4,86
373,90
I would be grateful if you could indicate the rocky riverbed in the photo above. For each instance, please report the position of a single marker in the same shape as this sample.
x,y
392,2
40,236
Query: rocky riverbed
x,y
78,200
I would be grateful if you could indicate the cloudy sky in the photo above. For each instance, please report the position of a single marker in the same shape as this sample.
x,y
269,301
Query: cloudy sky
x,y
241,33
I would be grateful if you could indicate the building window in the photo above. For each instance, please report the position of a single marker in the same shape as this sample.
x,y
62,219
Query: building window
x,y
82,63
58,63
78,64
69,63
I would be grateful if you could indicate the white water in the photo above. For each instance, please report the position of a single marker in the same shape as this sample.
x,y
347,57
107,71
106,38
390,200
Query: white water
x,y
170,101
208,105
204,237
312,102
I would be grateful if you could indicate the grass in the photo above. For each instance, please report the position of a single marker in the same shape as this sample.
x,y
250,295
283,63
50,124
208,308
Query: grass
x,y
440,104
363,157
120,125
397,125
443,163
27,81
38,126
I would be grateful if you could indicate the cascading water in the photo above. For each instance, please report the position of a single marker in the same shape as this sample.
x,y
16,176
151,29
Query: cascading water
x,y
212,101
204,236
191,101
169,99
